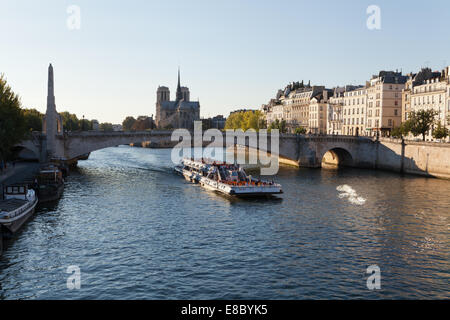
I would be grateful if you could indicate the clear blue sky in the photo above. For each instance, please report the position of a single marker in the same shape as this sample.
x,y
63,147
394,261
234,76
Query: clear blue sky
x,y
232,54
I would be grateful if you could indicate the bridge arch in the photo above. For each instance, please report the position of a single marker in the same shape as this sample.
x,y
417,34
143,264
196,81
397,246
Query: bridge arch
x,y
337,157
26,153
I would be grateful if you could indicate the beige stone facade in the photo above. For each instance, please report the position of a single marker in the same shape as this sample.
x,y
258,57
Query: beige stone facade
x,y
374,109
384,102
354,112
428,90
318,108
293,105
335,112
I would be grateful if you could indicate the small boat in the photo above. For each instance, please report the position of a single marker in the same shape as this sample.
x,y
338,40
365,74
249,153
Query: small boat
x,y
18,205
50,184
230,179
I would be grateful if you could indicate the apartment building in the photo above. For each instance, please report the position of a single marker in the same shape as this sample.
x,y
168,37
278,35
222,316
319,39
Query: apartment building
x,y
292,105
384,102
355,112
428,90
318,107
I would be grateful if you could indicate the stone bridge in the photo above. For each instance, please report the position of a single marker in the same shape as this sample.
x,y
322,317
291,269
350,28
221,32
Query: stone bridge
x,y
76,144
430,159
301,150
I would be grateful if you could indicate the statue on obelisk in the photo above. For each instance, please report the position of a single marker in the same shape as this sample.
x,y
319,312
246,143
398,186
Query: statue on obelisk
x,y
52,125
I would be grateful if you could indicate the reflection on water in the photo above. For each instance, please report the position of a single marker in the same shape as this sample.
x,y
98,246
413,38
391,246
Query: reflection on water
x,y
137,230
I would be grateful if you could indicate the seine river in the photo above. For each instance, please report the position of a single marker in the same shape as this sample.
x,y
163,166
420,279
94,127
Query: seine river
x,y
138,231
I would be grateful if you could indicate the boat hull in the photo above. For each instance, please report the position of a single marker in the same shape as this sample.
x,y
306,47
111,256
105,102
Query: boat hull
x,y
16,224
188,175
240,192
51,193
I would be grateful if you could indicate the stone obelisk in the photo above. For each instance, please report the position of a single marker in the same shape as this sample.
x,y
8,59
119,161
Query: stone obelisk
x,y
52,122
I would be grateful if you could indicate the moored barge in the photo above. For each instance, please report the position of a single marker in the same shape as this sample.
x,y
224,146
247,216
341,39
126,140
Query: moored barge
x,y
17,207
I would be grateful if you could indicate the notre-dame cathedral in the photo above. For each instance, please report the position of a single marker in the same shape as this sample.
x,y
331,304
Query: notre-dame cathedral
x,y
180,113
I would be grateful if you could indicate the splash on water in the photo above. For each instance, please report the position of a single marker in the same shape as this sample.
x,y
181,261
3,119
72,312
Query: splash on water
x,y
350,193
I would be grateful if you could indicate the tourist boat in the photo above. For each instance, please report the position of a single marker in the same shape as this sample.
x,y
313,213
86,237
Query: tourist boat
x,y
230,179
50,184
18,205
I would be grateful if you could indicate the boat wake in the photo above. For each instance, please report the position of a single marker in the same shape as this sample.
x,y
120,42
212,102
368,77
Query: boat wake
x,y
350,193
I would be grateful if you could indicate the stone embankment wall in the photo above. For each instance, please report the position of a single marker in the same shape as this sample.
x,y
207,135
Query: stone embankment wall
x,y
424,158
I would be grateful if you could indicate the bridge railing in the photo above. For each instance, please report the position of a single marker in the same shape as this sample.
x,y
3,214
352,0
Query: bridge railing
x,y
118,133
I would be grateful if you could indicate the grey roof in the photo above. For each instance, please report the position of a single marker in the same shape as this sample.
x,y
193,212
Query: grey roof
x,y
169,104
182,104
189,105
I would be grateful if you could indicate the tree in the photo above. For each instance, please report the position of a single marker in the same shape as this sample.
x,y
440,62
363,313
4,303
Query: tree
x,y
85,125
106,126
128,123
440,132
142,123
300,130
397,132
33,119
280,125
12,123
70,121
245,120
420,122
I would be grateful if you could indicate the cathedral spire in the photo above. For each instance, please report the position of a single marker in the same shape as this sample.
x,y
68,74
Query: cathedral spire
x,y
179,93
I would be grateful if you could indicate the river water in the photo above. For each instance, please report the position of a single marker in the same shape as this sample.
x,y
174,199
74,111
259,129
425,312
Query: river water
x,y
138,231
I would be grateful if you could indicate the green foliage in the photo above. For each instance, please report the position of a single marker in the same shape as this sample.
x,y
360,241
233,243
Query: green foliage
x,y
142,123
33,119
70,121
280,125
440,132
12,123
397,132
300,130
85,125
128,123
245,120
419,122
106,126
